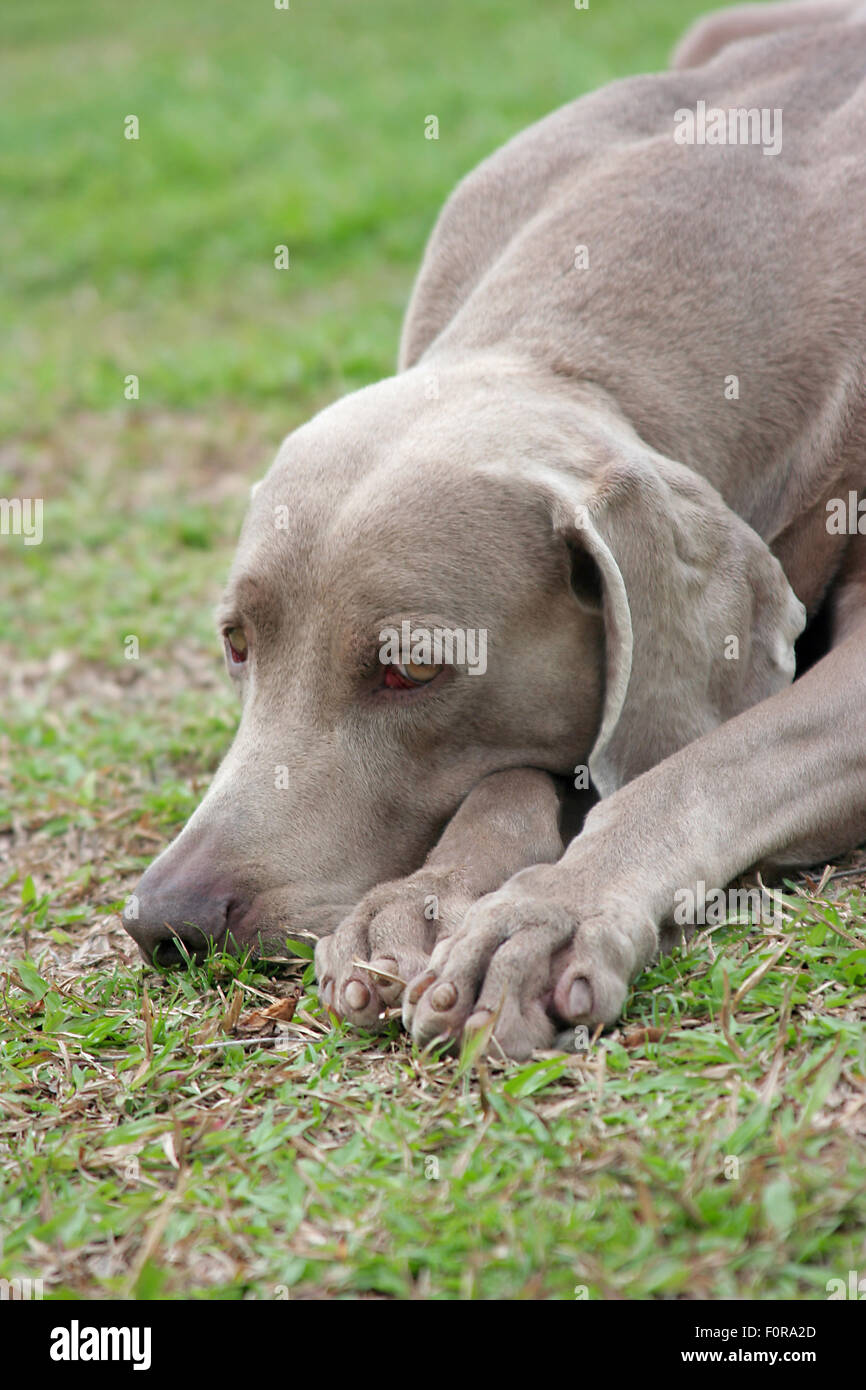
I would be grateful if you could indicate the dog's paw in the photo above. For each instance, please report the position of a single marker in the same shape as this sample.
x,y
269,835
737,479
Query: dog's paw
x,y
534,959
363,966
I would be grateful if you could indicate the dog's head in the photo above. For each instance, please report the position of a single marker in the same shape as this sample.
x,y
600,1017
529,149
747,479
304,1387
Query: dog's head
x,y
448,574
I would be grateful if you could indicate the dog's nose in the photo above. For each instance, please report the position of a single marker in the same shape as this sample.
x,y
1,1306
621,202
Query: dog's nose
x,y
169,909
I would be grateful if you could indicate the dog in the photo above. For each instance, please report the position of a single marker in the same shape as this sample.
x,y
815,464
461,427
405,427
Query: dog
x,y
623,457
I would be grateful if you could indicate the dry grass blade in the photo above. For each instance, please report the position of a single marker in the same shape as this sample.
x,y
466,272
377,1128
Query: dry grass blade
x,y
383,974
759,974
726,1020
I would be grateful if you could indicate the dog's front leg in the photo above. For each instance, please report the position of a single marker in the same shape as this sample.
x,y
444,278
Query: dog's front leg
x,y
559,944
508,821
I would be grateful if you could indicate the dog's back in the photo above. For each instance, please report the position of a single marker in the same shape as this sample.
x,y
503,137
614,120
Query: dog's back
x,y
693,242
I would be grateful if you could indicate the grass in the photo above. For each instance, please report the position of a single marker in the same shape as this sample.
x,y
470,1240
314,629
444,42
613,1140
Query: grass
x,y
153,1145
701,1151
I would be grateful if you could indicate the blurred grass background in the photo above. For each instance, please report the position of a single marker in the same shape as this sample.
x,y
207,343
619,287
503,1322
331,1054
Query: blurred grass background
x,y
257,127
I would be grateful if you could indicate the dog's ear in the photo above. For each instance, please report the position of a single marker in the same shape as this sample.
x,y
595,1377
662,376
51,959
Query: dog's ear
x,y
700,621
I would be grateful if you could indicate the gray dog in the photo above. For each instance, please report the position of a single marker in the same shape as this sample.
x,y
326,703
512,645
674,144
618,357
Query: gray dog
x,y
570,544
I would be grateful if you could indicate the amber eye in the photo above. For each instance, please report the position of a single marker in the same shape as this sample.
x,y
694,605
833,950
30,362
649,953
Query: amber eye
x,y
236,641
420,675
403,677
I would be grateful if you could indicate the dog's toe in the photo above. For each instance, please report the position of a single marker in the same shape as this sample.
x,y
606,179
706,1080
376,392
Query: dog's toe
x,y
365,965
522,965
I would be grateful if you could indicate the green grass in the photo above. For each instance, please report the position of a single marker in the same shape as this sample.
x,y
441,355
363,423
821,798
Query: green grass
x,y
147,1148
257,128
152,1155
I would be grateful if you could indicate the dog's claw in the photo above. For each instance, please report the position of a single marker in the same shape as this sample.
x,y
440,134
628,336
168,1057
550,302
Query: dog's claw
x,y
421,984
444,997
356,995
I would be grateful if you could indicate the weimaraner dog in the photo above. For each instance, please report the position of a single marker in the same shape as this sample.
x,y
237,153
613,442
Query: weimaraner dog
x,y
560,560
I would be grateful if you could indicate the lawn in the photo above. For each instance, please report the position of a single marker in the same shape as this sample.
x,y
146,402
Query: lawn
x,y
159,1138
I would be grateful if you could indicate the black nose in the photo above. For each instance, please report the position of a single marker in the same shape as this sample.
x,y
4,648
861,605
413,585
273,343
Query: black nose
x,y
179,906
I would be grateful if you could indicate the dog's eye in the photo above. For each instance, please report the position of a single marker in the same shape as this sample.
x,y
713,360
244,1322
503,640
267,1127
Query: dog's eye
x,y
236,641
402,677
419,674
